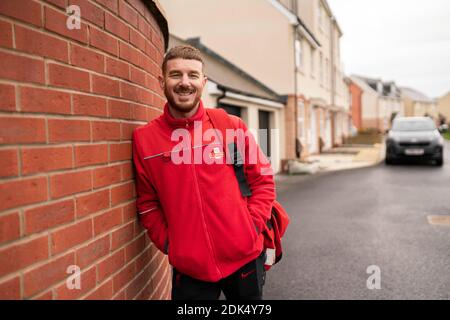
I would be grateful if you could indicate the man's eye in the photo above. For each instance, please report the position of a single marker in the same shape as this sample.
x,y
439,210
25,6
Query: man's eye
x,y
194,76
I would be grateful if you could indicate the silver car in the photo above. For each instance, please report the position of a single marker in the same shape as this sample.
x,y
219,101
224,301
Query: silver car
x,y
414,137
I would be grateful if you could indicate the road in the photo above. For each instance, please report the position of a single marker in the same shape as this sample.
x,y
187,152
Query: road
x,y
344,222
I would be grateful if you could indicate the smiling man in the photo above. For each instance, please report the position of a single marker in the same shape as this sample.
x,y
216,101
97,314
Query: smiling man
x,y
195,212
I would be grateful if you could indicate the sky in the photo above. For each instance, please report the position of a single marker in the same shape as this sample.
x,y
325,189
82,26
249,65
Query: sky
x,y
407,41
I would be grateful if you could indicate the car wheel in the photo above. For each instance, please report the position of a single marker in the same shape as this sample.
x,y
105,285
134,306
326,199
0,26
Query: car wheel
x,y
440,162
388,161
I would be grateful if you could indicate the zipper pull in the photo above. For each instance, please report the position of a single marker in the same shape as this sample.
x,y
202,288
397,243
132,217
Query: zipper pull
x,y
187,124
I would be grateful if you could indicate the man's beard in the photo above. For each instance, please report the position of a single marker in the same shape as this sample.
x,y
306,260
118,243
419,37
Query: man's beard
x,y
184,108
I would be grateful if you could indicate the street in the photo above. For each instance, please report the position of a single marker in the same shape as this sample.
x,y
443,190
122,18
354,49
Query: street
x,y
344,222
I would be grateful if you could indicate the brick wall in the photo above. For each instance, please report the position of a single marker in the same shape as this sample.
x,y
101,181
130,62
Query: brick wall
x,y
69,100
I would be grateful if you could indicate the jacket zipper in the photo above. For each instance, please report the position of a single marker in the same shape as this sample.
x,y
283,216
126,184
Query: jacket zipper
x,y
203,215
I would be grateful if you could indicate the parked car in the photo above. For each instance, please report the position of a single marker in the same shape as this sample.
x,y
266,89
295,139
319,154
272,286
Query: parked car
x,y
414,137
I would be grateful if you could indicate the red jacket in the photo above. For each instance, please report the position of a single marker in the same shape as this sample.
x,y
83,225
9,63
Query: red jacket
x,y
195,212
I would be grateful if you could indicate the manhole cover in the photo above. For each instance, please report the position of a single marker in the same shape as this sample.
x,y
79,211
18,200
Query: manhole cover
x,y
439,220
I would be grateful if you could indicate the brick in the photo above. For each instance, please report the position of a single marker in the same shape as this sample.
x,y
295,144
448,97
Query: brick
x,y
120,295
10,289
105,86
9,228
123,277
151,51
70,236
110,265
138,5
117,27
23,254
138,112
144,27
107,221
86,58
138,76
152,83
117,68
122,193
107,176
91,154
90,12
143,260
128,53
92,202
127,130
120,151
128,14
127,171
56,21
93,251
104,292
103,41
134,248
89,105
19,193
61,130
129,212
129,92
103,130
70,183
6,39
119,109
43,277
68,77
49,216
20,68
8,163
31,41
15,130
36,160
122,236
88,281
145,96
7,97
59,3
139,230
48,295
137,40
44,100
23,10
110,4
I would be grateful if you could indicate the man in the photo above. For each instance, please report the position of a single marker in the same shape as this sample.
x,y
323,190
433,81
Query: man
x,y
194,211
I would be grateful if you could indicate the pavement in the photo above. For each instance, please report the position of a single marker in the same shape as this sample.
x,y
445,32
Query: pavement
x,y
340,158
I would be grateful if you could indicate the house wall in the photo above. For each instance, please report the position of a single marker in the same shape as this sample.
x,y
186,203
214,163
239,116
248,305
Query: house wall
x,y
443,106
70,100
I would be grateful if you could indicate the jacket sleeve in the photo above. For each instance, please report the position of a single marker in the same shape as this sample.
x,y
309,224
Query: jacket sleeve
x,y
147,203
259,176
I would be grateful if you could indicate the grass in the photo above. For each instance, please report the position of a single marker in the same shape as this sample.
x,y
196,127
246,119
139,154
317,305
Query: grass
x,y
446,135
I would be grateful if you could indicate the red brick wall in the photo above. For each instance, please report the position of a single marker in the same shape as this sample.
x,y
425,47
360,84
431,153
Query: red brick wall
x,y
69,100
356,95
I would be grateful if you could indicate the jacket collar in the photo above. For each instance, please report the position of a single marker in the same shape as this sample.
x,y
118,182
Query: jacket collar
x,y
185,122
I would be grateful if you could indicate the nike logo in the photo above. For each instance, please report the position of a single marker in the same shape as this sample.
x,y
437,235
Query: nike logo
x,y
246,274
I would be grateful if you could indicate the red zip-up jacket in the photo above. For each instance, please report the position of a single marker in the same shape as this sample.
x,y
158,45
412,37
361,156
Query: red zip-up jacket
x,y
195,212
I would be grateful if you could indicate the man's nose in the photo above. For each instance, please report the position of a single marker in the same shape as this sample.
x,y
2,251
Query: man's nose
x,y
185,79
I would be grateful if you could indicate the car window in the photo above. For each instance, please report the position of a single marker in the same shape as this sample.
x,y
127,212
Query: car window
x,y
413,125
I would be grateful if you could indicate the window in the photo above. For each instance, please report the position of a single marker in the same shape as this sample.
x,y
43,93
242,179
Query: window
x,y
327,74
319,15
313,56
298,54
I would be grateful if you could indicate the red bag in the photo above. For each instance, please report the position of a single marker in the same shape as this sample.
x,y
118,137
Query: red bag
x,y
279,220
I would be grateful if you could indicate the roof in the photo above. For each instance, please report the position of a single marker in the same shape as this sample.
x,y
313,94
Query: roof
x,y
415,95
388,88
227,75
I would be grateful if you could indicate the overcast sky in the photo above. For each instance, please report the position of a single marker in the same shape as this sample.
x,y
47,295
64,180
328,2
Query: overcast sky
x,y
407,41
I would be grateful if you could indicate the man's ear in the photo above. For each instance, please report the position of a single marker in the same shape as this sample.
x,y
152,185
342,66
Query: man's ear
x,y
205,79
162,83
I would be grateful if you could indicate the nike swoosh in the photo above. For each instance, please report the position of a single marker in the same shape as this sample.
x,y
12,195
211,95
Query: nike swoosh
x,y
246,274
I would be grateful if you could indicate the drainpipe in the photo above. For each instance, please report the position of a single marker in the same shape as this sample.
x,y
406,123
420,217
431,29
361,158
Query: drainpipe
x,y
295,91
224,93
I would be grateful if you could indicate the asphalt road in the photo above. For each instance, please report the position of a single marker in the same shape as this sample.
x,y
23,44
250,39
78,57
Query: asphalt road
x,y
344,222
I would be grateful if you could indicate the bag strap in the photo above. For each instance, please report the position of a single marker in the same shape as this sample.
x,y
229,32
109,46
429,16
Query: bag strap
x,y
222,121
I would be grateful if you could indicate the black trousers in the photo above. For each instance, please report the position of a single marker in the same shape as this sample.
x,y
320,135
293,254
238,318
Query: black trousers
x,y
244,284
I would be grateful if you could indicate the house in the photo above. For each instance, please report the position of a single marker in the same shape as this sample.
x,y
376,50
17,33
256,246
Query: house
x,y
271,42
418,104
240,94
387,106
443,106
